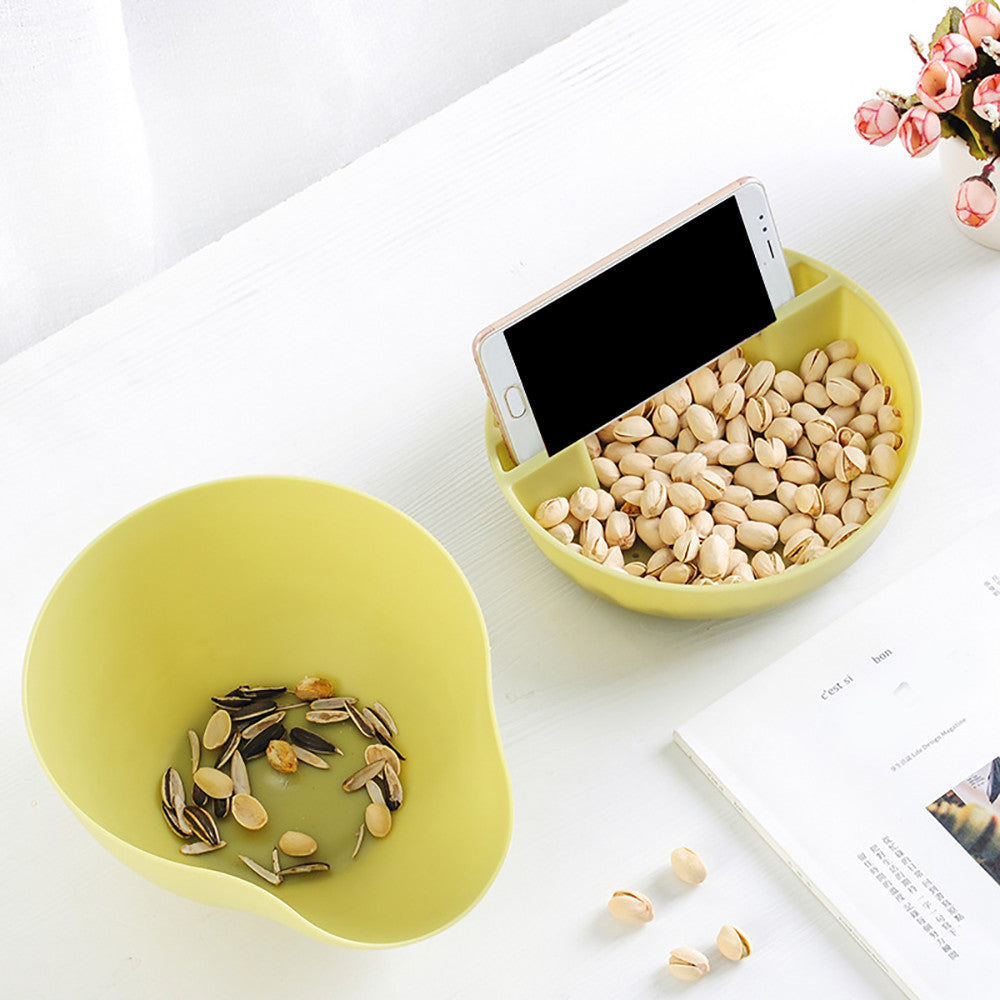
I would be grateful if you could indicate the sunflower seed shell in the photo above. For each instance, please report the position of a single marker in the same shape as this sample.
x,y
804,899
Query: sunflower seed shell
x,y
363,775
265,873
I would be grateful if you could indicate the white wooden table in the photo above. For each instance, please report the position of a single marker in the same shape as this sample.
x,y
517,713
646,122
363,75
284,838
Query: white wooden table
x,y
331,338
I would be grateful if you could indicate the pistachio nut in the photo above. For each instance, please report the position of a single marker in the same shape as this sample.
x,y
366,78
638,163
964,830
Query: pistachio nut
x,y
809,500
687,497
866,375
704,384
820,430
738,495
702,422
827,525
768,511
562,533
814,364
678,396
780,407
605,505
606,471
842,348
884,461
635,568
673,523
843,533
800,543
815,393
619,530
738,430
713,556
786,429
757,414
703,523
793,524
617,450
842,391
710,485
732,943
614,558
655,446
757,535
875,398
866,483
686,547
688,466
804,447
854,510
834,493
827,455
632,428
785,494
660,560
648,530
756,478
629,503
726,513
666,421
789,384
735,454
728,400
687,964
735,370
687,866
678,572
838,367
772,454
799,470
583,502
549,513
653,500
875,499
631,906
766,564
850,463
635,464
864,423
759,379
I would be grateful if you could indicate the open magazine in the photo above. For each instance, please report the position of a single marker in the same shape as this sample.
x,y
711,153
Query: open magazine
x,y
869,758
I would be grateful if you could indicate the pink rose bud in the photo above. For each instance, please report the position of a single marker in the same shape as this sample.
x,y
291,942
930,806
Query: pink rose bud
x,y
976,202
919,130
939,86
876,122
957,51
981,20
986,98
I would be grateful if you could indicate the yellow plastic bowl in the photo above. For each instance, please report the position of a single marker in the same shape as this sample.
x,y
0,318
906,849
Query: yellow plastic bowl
x,y
265,580
827,306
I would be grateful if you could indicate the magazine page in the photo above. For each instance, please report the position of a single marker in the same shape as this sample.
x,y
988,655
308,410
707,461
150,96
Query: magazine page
x,y
869,758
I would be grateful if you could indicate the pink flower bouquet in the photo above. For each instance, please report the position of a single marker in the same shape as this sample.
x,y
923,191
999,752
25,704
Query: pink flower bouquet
x,y
957,95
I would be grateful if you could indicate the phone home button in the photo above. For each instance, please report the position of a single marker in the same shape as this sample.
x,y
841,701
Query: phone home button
x,y
514,399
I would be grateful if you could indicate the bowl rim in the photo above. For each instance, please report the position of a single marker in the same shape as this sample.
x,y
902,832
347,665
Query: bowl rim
x,y
290,915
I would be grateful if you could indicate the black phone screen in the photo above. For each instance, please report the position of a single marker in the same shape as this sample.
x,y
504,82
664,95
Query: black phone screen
x,y
640,325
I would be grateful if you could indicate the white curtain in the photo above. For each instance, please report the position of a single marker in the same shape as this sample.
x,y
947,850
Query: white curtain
x,y
133,132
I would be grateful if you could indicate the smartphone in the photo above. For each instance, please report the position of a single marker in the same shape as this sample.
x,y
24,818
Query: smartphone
x,y
592,348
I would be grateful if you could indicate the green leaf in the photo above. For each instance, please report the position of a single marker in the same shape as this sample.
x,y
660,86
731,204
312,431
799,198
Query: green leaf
x,y
949,24
967,125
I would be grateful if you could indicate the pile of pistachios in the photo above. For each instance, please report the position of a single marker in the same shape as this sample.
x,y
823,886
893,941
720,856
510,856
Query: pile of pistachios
x,y
737,472
684,963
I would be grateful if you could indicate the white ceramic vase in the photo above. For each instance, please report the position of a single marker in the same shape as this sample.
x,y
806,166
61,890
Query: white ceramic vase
x,y
956,165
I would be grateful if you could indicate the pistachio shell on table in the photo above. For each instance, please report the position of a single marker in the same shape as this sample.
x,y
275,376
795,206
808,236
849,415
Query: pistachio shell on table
x,y
687,964
631,906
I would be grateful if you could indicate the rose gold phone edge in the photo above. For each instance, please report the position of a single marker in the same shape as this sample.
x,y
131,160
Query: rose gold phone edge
x,y
588,272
